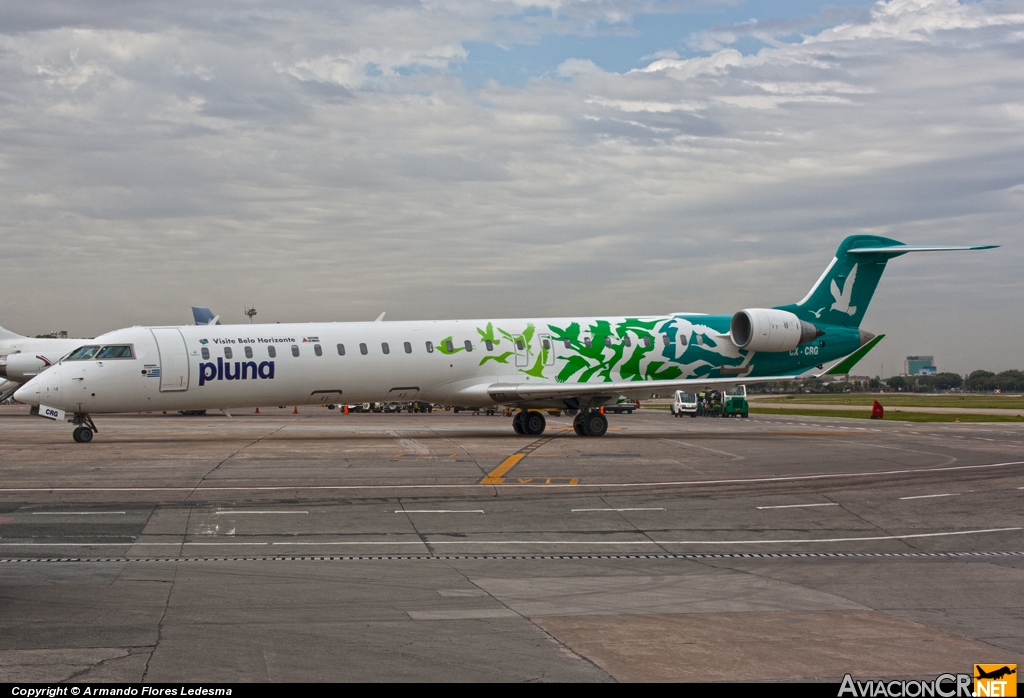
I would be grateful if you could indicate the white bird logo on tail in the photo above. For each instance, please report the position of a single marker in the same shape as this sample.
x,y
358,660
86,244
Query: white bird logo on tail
x,y
844,296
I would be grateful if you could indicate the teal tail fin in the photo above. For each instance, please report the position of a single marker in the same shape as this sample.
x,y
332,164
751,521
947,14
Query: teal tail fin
x,y
842,294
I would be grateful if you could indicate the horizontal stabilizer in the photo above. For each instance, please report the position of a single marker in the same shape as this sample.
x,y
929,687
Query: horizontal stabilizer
x,y
903,249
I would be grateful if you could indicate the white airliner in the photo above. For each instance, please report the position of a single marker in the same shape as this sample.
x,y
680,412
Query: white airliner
x,y
572,363
23,358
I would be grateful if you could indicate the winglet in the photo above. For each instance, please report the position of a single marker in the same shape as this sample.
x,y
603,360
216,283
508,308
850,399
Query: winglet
x,y
844,366
380,318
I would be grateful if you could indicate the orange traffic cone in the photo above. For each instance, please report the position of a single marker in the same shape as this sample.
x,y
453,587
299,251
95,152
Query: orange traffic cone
x,y
296,410
602,410
346,409
257,410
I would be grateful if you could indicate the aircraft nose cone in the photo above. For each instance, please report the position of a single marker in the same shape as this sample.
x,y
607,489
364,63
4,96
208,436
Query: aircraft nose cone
x,y
44,388
28,393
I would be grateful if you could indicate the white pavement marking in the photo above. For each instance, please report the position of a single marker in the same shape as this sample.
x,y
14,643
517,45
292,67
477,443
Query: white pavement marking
x,y
439,511
75,513
577,487
787,541
231,512
633,509
929,496
795,506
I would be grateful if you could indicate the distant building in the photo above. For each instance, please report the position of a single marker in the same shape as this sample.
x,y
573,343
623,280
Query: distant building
x,y
920,366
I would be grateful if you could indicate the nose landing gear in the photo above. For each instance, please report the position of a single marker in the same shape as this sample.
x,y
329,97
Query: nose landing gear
x,y
84,428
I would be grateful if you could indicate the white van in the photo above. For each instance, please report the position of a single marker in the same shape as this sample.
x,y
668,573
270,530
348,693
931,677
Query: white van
x,y
684,403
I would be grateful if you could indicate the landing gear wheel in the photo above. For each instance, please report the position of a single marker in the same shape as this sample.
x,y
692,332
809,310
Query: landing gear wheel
x,y
82,435
595,424
534,423
517,423
577,425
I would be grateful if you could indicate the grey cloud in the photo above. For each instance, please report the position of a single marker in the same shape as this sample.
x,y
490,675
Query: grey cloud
x,y
170,155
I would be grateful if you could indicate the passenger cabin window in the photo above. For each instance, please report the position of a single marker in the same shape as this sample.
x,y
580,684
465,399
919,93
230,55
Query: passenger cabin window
x,y
248,351
317,350
408,348
341,350
227,352
295,350
83,353
587,342
363,350
430,347
547,344
520,345
206,353
385,348
115,352
449,346
489,344
627,341
682,339
608,342
272,351
700,341
568,344
648,342
469,345
665,340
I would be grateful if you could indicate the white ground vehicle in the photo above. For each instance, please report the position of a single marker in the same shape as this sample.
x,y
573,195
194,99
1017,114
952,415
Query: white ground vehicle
x,y
684,403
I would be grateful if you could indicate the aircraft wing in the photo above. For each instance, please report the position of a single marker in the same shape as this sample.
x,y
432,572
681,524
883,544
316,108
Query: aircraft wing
x,y
524,392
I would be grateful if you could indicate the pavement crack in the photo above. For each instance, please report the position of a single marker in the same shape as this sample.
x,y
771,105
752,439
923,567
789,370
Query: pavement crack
x,y
233,454
160,624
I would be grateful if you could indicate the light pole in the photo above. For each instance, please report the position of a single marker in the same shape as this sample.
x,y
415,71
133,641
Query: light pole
x,y
250,312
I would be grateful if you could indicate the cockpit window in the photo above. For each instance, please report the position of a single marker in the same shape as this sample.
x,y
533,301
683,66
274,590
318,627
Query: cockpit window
x,y
82,353
120,351
113,351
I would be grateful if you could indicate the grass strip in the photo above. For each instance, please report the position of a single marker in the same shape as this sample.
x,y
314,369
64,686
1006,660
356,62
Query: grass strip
x,y
893,415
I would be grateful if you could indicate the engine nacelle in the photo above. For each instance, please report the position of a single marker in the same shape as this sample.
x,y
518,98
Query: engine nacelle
x,y
21,367
765,329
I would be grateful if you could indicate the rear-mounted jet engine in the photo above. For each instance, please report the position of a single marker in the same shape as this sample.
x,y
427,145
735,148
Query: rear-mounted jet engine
x,y
761,329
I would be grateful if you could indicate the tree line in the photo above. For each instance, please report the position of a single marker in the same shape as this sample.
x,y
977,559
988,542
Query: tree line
x,y
978,381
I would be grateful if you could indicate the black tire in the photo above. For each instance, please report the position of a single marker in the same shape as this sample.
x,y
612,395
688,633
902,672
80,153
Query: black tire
x,y
76,434
577,425
534,423
84,435
744,415
517,423
694,415
595,424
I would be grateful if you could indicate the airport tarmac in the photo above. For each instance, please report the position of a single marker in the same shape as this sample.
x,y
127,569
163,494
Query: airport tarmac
x,y
442,547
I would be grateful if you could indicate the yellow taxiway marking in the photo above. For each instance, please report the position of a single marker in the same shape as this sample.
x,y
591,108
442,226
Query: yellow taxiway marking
x,y
497,476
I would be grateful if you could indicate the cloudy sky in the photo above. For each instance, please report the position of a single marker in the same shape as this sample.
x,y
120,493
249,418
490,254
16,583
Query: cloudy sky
x,y
435,159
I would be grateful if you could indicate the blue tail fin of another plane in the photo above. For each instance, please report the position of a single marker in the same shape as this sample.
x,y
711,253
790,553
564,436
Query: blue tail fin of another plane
x,y
204,316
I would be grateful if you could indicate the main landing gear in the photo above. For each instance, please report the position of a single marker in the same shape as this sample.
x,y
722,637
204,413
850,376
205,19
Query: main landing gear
x,y
529,423
590,423
84,428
